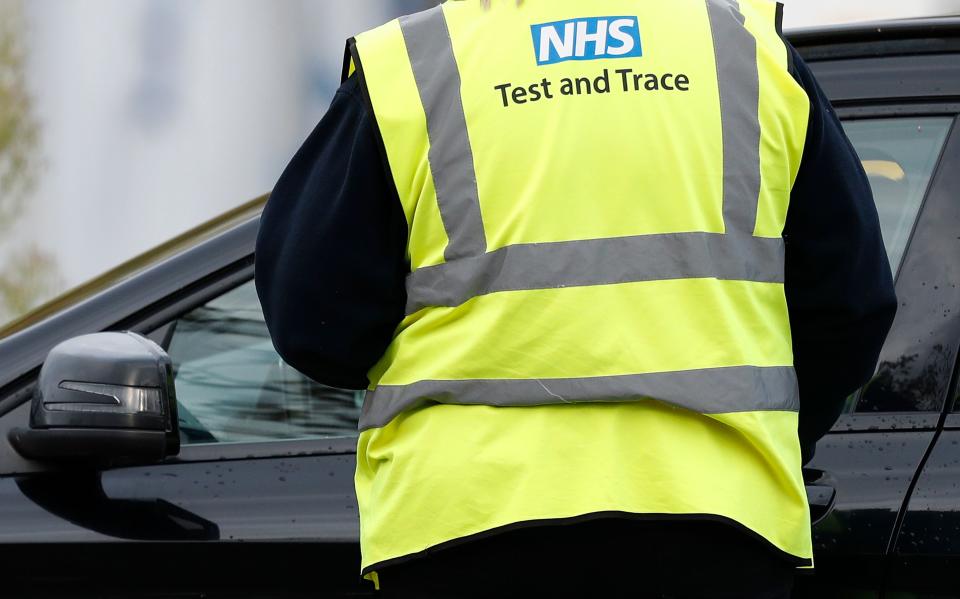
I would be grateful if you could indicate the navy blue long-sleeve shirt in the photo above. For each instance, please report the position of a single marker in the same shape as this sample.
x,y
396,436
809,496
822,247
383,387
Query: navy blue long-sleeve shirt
x,y
330,258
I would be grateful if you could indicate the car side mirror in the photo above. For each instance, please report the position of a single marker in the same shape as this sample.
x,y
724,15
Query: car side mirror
x,y
103,397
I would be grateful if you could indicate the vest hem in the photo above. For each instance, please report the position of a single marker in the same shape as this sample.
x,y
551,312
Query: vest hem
x,y
791,559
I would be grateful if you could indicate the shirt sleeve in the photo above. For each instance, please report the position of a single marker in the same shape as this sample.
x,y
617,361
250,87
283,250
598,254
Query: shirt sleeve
x,y
839,286
331,250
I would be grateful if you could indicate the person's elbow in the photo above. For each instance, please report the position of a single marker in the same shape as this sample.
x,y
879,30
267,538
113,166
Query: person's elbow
x,y
271,291
302,338
873,317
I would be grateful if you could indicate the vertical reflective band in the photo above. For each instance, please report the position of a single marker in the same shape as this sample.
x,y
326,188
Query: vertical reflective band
x,y
451,158
738,76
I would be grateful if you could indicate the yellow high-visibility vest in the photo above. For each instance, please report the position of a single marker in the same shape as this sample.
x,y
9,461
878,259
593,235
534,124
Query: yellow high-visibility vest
x,y
595,194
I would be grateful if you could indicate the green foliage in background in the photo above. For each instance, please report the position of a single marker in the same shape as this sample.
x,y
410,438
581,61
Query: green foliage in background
x,y
30,276
18,130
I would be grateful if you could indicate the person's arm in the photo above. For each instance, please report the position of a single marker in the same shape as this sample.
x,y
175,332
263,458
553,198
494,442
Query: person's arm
x,y
838,283
330,254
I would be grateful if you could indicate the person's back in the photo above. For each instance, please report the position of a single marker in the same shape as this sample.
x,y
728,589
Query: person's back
x,y
596,319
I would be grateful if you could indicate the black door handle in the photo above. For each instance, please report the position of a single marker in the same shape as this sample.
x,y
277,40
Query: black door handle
x,y
821,499
821,493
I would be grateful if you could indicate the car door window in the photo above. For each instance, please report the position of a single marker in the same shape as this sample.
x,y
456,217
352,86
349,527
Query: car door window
x,y
899,156
233,387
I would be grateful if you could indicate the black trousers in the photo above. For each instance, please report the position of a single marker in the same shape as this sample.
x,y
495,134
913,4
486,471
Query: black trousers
x,y
609,557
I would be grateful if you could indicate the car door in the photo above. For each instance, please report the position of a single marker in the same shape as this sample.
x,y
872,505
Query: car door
x,y
259,501
864,468
926,555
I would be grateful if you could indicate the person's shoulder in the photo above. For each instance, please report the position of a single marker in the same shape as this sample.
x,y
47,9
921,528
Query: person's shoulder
x,y
350,88
799,69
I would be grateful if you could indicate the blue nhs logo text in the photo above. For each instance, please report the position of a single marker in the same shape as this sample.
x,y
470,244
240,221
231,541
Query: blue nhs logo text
x,y
587,39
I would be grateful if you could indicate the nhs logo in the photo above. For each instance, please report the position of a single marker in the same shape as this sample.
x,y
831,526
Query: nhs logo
x,y
587,39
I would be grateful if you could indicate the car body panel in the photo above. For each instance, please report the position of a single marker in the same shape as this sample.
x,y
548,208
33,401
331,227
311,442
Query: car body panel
x,y
926,552
873,456
871,473
304,498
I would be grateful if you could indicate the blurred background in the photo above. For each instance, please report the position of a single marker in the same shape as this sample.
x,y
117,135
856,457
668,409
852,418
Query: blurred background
x,y
126,122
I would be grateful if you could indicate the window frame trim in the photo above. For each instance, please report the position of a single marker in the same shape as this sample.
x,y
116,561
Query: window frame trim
x,y
231,278
905,421
903,112
281,448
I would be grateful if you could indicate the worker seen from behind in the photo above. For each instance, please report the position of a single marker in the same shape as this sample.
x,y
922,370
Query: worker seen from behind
x,y
607,271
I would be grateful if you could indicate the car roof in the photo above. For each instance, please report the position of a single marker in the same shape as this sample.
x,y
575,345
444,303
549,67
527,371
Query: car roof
x,y
877,29
927,35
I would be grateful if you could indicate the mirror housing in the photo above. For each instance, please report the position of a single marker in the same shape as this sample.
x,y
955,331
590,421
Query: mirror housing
x,y
103,397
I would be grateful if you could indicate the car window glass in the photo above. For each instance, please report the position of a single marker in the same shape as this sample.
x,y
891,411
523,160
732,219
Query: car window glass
x,y
956,394
899,156
233,387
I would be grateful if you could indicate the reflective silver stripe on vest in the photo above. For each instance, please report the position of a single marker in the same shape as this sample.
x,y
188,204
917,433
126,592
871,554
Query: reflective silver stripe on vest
x,y
469,271
708,391
451,158
598,262
738,76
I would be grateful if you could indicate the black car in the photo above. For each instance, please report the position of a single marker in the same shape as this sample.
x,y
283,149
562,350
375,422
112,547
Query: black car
x,y
253,495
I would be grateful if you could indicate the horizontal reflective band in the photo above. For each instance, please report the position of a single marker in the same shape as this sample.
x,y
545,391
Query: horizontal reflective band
x,y
707,391
598,262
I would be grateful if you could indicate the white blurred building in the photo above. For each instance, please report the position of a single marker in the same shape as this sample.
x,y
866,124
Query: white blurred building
x,y
159,114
